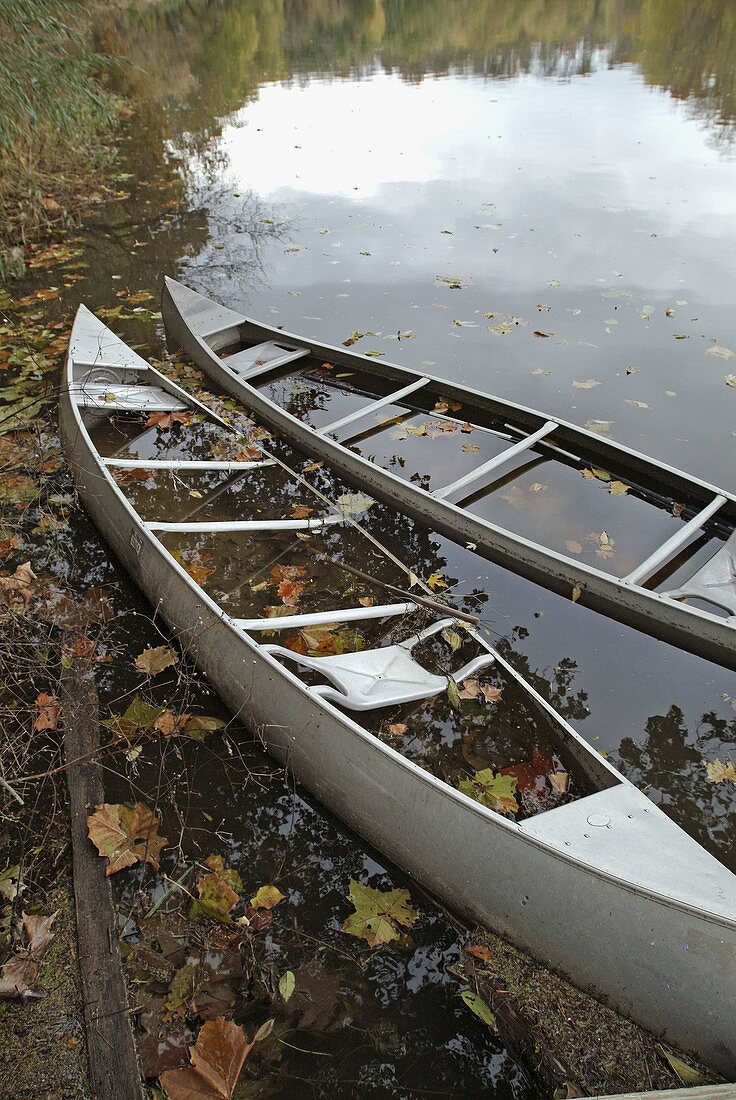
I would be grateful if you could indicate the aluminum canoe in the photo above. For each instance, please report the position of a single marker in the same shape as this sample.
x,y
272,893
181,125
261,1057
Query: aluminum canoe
x,y
681,584
605,888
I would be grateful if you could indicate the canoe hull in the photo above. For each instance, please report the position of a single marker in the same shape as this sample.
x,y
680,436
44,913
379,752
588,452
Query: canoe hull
x,y
669,620
639,952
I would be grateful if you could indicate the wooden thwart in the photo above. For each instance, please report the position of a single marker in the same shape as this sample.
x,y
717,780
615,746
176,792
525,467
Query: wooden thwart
x,y
113,1067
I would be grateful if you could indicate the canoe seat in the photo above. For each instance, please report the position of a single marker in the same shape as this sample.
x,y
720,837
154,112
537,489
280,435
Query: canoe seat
x,y
131,398
261,357
715,581
384,677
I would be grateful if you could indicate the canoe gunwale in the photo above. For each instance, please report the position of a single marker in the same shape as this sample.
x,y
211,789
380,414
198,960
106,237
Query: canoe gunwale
x,y
704,633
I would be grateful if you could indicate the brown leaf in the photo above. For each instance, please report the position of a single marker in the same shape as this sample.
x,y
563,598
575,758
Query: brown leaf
x,y
480,951
398,729
573,546
544,335
300,511
152,661
165,420
19,585
169,724
312,466
216,1061
366,601
473,690
248,454
18,975
49,710
559,781
125,834
290,591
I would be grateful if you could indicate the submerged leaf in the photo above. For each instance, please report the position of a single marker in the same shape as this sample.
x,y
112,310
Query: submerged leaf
x,y
266,897
378,913
352,504
216,1061
494,791
125,834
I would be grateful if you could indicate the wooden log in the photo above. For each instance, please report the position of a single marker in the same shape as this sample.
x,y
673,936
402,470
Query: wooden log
x,y
113,1066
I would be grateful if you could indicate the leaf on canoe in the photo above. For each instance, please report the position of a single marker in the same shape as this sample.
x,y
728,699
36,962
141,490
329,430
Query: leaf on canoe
x,y
167,420
477,1005
473,690
378,914
352,504
573,547
593,474
446,404
217,1058
587,384
494,791
637,404
125,834
152,661
576,593
470,448
436,580
720,351
677,509
546,335
266,897
453,694
618,488
605,544
718,772
452,638
49,710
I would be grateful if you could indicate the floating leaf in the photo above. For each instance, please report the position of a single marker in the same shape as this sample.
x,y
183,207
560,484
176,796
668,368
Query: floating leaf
x,y
473,690
125,834
436,580
218,891
592,473
300,511
287,984
312,466
587,384
452,638
138,716
398,729
378,913
352,504
216,1061
453,694
266,897
167,420
470,448
477,1005
153,661
494,791
19,586
718,772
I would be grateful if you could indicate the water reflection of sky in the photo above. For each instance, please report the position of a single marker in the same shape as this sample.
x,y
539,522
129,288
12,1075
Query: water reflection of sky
x,y
596,195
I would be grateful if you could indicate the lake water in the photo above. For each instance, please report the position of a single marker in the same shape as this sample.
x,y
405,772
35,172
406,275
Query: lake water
x,y
534,199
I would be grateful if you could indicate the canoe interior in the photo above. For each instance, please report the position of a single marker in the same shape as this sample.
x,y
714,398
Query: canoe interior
x,y
271,572
553,494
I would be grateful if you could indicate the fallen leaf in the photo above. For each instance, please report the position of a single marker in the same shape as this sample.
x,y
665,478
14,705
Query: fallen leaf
x,y
18,975
312,466
573,547
559,781
576,593
587,384
125,834
718,772
480,951
618,488
153,661
352,504
720,351
19,586
637,404
686,1073
474,690
287,984
300,511
139,715
378,914
166,420
452,638
470,448
545,335
266,897
398,729
494,791
49,710
217,1058
477,1005
218,892
169,724
677,509
436,580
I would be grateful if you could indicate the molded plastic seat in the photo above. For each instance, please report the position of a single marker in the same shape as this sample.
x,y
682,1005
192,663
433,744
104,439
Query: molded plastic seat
x,y
270,354
124,398
715,581
382,677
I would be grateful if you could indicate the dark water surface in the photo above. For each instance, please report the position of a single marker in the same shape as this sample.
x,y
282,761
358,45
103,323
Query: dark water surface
x,y
533,198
